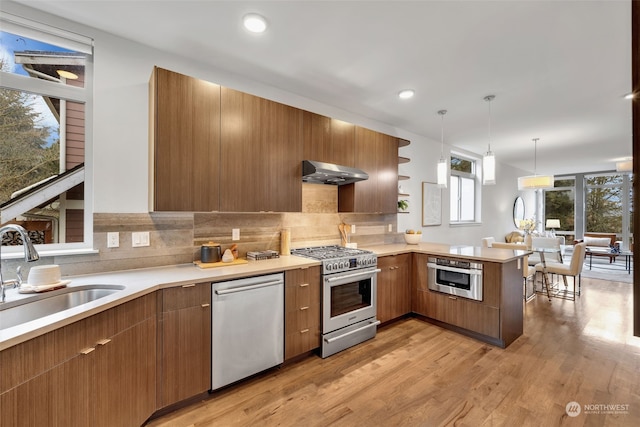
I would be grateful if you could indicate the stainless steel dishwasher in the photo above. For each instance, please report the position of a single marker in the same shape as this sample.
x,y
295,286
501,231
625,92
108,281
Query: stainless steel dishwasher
x,y
247,333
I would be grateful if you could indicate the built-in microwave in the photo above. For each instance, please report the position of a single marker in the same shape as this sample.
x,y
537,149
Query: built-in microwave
x,y
455,277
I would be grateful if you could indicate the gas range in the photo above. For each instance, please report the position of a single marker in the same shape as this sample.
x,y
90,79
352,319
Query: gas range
x,y
337,259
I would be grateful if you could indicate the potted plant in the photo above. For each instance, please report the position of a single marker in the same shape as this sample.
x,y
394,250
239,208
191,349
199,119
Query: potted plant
x,y
403,205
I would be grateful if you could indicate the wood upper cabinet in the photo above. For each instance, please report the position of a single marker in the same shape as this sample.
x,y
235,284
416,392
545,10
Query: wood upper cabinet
x,y
394,287
185,143
377,155
328,140
99,371
302,311
260,153
184,343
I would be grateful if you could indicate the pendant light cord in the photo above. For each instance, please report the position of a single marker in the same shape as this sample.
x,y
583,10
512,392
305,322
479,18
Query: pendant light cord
x,y
535,155
442,113
489,98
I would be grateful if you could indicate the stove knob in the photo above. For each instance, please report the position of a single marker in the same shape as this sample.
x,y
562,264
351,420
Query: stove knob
x,y
329,267
335,265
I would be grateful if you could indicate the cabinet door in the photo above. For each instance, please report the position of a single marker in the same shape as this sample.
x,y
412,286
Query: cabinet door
x,y
123,381
186,135
184,345
328,140
377,155
261,154
58,396
394,294
302,311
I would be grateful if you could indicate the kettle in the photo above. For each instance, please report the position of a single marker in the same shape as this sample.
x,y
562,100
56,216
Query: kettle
x,y
210,252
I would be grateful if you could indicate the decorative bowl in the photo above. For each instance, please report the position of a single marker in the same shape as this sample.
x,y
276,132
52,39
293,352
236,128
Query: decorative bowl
x,y
412,239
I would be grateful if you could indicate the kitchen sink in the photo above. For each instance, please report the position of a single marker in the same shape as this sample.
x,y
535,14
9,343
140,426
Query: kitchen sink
x,y
24,310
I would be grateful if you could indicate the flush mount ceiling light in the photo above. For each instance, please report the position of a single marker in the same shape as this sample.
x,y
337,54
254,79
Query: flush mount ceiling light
x,y
535,182
254,23
442,163
406,94
67,74
489,160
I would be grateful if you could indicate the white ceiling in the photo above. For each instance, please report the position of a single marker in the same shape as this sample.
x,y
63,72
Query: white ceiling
x,y
559,69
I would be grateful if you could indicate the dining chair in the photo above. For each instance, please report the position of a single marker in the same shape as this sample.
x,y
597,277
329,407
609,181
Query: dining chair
x,y
544,243
528,271
573,269
487,241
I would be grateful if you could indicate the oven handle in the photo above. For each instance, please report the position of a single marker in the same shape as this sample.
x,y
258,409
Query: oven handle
x,y
454,269
351,276
339,337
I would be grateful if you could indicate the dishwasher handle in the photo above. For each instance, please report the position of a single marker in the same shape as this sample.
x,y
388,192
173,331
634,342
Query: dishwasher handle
x,y
247,288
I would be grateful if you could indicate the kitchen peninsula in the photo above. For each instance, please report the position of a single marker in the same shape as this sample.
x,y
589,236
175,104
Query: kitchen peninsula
x,y
90,338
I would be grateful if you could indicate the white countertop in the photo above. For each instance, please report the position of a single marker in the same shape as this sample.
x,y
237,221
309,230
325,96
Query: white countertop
x,y
137,283
140,282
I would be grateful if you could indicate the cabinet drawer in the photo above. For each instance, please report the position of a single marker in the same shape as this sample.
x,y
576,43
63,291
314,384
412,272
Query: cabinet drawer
x,y
186,296
460,312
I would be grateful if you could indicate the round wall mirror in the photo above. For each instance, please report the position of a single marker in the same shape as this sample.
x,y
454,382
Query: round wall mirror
x,y
518,211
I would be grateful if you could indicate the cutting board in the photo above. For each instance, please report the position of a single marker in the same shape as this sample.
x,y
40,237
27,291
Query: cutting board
x,y
236,261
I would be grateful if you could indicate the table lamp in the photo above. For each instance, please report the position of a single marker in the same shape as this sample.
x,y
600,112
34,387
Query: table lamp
x,y
553,224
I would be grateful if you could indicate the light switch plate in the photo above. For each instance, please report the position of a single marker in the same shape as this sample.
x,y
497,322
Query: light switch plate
x,y
113,239
353,229
390,228
235,234
139,239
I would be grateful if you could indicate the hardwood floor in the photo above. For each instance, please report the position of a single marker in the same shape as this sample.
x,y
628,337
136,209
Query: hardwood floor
x,y
417,374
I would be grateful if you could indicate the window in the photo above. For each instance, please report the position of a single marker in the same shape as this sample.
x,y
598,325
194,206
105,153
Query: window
x,y
463,190
45,109
559,203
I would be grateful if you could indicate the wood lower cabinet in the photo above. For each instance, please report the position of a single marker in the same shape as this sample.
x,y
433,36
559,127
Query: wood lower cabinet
x,y
185,143
394,287
260,154
99,371
377,155
302,311
498,316
184,343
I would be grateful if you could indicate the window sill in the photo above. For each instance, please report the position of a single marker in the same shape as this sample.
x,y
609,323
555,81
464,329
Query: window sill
x,y
465,224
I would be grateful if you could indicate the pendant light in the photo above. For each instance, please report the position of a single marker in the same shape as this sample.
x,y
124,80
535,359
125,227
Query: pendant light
x,y
489,160
442,163
535,182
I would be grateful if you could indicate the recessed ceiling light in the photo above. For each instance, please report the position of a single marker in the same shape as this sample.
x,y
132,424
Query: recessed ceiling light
x,y
255,23
406,94
629,96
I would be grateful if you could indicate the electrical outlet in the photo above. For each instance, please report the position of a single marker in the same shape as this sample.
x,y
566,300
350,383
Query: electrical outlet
x,y
390,228
235,234
353,229
140,239
113,239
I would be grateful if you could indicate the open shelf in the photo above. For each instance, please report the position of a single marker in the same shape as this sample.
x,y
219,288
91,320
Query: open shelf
x,y
403,160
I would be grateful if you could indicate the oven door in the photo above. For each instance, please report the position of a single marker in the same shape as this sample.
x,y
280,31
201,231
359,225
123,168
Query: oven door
x,y
348,298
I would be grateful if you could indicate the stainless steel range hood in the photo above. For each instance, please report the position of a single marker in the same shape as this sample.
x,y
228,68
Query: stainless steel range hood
x,y
328,173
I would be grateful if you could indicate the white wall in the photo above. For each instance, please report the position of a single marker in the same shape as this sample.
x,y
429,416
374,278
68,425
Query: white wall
x,y
120,135
496,200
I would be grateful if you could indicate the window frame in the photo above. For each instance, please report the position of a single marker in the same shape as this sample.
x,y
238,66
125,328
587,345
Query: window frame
x,y
52,35
475,178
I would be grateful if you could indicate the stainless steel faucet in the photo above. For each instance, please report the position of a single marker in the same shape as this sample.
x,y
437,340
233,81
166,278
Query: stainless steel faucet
x,y
30,255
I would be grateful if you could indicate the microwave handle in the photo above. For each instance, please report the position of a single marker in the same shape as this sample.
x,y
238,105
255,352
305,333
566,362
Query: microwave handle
x,y
454,269
351,276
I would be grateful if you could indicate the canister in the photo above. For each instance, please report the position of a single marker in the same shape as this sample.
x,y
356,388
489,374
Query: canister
x,y
210,252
